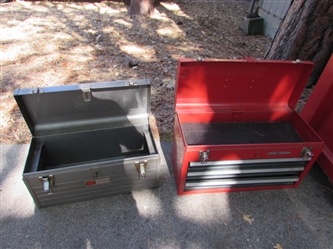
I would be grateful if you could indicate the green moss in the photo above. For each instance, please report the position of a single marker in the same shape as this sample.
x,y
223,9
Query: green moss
x,y
166,136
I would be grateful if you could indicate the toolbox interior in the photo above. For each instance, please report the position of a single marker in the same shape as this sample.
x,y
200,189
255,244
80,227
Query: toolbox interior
x,y
239,133
84,147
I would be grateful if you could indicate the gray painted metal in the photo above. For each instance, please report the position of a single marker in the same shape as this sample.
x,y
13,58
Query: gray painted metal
x,y
84,107
87,141
273,12
251,6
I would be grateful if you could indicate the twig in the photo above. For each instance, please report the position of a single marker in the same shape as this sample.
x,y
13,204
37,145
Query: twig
x,y
205,20
327,189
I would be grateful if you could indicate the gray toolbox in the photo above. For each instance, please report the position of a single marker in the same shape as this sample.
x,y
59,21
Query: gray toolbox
x,y
89,141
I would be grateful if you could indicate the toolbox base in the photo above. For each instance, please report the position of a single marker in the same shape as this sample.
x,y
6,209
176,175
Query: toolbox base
x,y
241,156
77,168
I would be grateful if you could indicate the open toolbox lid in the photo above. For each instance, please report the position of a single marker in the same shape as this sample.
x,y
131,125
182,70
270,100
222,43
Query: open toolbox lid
x,y
242,84
318,112
84,107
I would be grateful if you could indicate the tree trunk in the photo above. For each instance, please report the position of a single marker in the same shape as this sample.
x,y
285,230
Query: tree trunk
x,y
141,7
307,34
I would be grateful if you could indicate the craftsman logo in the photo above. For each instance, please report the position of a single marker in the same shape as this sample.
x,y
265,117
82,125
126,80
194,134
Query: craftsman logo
x,y
279,153
97,182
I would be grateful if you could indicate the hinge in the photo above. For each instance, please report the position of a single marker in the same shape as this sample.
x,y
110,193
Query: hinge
x,y
132,82
37,90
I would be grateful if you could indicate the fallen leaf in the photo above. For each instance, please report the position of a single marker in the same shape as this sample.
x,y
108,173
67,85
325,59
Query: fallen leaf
x,y
278,246
247,218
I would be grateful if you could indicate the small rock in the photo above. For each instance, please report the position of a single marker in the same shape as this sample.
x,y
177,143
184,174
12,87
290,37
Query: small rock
x,y
171,86
98,38
133,63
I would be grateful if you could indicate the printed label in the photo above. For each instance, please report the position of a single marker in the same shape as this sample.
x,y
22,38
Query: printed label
x,y
97,182
279,153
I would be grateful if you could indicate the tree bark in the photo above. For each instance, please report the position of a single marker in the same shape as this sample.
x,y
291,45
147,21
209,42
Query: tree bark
x,y
141,7
306,34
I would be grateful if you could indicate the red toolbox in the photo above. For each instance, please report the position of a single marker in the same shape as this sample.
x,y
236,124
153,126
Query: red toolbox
x,y
318,112
236,128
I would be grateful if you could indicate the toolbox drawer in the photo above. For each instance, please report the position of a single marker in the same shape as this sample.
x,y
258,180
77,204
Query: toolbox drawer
x,y
244,173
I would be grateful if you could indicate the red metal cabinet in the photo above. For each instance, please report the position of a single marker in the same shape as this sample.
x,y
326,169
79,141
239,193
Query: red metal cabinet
x,y
318,112
235,126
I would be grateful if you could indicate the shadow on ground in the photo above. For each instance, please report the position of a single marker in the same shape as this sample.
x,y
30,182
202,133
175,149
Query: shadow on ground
x,y
158,218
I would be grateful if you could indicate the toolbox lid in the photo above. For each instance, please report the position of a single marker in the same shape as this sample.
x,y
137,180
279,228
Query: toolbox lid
x,y
240,84
318,112
84,107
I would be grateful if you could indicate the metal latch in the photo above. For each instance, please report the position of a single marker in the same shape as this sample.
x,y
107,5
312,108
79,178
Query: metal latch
x,y
48,182
141,168
132,82
306,153
203,156
86,94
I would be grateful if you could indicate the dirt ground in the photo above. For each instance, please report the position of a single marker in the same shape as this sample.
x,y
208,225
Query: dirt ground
x,y
62,43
